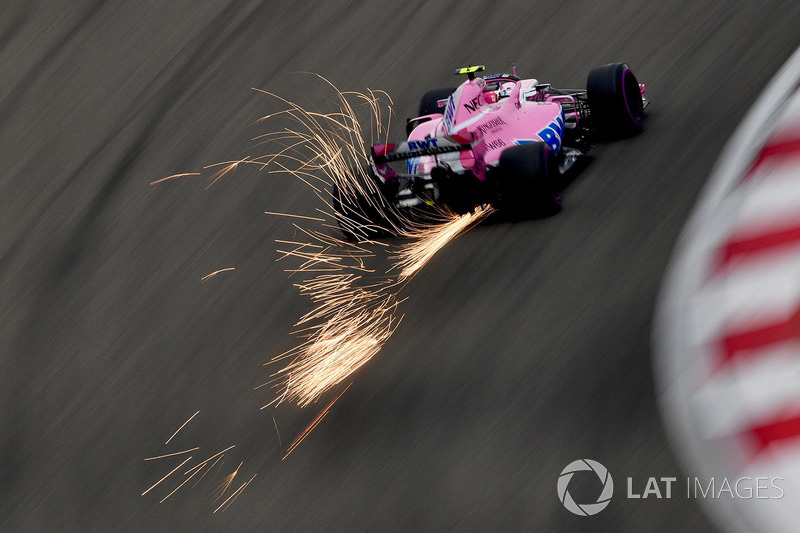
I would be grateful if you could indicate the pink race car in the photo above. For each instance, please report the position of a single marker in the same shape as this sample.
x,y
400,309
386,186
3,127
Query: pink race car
x,y
503,141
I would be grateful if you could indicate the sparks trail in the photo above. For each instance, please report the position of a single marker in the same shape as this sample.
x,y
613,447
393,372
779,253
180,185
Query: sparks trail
x,y
227,503
355,305
427,240
314,423
353,315
348,328
199,471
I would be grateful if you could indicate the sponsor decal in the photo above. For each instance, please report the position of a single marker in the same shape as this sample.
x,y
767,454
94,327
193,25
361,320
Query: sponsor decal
x,y
424,144
494,145
490,125
472,105
412,165
449,113
552,133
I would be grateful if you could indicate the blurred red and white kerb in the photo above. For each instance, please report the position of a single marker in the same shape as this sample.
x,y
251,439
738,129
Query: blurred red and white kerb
x,y
727,330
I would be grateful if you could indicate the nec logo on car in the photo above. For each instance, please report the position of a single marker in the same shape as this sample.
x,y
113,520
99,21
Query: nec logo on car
x,y
472,105
553,133
422,145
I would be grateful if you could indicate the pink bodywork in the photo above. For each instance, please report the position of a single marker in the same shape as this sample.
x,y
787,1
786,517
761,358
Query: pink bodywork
x,y
513,112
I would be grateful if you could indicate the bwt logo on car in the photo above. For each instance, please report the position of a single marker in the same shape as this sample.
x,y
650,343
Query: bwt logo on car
x,y
424,144
553,133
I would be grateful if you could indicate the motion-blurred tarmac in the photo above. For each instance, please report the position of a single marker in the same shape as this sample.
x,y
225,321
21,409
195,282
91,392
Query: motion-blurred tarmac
x,y
524,347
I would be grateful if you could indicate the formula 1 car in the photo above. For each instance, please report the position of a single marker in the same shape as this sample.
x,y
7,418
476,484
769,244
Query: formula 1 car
x,y
498,140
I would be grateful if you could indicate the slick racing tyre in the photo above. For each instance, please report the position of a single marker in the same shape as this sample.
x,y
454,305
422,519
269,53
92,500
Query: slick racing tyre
x,y
361,210
615,101
529,184
429,103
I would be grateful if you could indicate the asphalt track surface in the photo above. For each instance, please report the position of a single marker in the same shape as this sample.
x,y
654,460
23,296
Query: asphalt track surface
x,y
525,346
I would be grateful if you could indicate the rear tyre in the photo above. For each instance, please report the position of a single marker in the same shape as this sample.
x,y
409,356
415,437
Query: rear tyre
x,y
429,103
362,212
615,101
529,184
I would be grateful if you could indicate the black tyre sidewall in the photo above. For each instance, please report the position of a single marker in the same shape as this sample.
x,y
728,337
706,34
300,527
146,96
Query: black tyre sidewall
x,y
427,104
529,184
367,214
615,101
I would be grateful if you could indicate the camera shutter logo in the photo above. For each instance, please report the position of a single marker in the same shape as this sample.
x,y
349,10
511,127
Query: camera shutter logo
x,y
585,509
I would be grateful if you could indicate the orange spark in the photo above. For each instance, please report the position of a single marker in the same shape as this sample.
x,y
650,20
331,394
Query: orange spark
x,y
171,454
226,483
207,460
229,166
209,469
294,216
211,275
182,426
280,443
176,489
169,474
234,495
314,423
174,176
411,257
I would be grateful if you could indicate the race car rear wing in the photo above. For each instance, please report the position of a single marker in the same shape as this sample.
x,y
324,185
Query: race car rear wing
x,y
447,150
387,153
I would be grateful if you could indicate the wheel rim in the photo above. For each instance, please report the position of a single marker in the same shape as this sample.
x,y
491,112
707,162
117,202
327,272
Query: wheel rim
x,y
632,97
